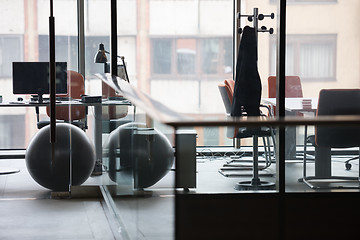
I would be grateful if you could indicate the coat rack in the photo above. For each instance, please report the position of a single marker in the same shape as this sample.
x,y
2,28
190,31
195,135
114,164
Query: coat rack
x,y
255,18
251,73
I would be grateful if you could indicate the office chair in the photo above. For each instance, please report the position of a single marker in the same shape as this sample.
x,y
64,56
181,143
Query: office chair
x,y
333,102
72,114
226,92
293,89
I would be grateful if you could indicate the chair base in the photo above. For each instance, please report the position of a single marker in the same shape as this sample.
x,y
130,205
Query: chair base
x,y
4,171
329,180
225,174
255,184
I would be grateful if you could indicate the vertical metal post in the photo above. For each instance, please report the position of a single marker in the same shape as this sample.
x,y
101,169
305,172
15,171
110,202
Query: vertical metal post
x,y
81,37
113,36
256,25
280,103
280,90
236,36
52,74
255,181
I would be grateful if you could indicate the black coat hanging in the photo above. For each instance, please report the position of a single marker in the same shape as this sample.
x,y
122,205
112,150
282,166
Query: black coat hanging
x,y
247,92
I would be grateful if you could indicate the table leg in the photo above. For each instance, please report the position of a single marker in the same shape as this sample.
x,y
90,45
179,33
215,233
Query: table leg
x,y
290,145
322,162
98,139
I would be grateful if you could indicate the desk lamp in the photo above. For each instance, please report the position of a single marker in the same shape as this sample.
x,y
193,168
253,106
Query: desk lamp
x,y
100,57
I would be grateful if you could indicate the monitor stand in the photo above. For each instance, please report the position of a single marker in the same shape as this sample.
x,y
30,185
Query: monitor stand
x,y
37,98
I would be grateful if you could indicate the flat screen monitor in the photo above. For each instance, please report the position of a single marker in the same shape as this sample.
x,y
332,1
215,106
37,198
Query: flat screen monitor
x,y
33,78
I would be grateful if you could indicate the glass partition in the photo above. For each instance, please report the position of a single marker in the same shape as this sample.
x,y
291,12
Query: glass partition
x,y
24,76
139,174
26,39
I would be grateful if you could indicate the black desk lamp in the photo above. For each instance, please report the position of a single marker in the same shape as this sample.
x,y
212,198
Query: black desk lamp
x,y
100,57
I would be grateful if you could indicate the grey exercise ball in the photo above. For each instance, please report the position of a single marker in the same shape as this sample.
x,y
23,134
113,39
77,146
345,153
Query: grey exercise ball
x,y
71,144
138,155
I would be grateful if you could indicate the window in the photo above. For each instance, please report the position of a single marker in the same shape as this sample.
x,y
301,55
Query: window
x,y
11,50
14,126
210,56
185,56
312,57
65,48
162,56
192,56
211,136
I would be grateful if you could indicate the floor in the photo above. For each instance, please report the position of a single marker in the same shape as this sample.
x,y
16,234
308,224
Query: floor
x,y
29,212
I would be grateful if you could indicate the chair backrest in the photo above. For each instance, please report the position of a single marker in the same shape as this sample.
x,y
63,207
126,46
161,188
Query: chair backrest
x,y
227,92
334,102
76,88
293,87
230,83
226,97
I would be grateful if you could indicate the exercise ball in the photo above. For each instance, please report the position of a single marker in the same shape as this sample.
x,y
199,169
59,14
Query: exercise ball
x,y
138,155
72,145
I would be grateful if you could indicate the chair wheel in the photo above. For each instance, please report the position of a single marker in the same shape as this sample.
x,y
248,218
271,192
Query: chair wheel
x,y
347,166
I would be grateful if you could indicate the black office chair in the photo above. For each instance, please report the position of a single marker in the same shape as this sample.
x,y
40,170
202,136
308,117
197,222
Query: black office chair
x,y
333,102
228,168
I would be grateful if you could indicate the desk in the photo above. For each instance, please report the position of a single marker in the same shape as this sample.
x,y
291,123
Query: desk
x,y
97,116
322,154
294,105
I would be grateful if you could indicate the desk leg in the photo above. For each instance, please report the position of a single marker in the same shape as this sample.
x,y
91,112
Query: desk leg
x,y
290,145
322,162
98,139
185,152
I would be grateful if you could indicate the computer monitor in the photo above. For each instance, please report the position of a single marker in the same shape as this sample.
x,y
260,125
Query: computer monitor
x,y
33,78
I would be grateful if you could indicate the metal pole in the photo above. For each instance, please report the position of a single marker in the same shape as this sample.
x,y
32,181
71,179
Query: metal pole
x,y
256,25
52,74
113,50
81,37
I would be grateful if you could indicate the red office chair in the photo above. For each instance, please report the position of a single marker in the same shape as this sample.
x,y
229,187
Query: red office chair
x,y
73,114
293,88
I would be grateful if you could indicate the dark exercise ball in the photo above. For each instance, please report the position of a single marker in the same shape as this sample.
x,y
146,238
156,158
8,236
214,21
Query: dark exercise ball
x,y
138,155
72,145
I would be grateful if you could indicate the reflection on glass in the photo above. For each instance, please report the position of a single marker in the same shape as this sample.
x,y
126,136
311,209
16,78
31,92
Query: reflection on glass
x,y
138,156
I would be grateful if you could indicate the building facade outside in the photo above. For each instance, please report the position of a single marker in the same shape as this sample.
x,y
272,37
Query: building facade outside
x,y
178,50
